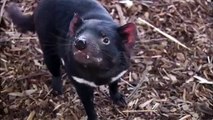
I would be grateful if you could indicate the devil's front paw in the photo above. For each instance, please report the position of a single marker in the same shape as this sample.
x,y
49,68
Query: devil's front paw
x,y
95,118
57,86
118,99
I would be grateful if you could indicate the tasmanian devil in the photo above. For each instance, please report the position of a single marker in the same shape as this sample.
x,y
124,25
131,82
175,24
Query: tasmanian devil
x,y
82,36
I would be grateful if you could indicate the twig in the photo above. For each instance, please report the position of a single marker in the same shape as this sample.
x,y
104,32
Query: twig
x,y
139,84
153,40
31,116
203,80
186,117
141,21
120,14
2,9
127,82
32,75
138,111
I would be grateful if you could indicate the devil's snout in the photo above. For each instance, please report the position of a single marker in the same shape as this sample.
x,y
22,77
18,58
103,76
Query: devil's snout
x,y
80,44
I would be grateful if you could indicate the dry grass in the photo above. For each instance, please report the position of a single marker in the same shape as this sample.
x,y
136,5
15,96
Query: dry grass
x,y
166,81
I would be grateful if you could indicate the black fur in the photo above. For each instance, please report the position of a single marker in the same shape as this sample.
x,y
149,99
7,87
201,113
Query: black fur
x,y
60,25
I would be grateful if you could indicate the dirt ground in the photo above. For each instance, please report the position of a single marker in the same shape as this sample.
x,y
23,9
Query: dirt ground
x,y
166,81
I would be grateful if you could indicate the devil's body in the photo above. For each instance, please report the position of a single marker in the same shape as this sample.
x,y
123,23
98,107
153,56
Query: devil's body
x,y
77,32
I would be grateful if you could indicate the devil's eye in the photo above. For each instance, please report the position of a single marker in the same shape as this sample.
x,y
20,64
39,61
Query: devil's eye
x,y
106,41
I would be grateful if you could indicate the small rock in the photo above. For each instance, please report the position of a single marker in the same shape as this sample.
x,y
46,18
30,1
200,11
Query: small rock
x,y
134,76
185,107
180,56
164,109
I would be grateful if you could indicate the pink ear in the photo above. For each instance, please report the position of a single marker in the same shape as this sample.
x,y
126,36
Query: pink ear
x,y
75,23
129,34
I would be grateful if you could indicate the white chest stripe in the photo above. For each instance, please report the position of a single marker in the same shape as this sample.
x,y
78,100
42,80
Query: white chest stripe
x,y
92,84
62,61
83,81
113,79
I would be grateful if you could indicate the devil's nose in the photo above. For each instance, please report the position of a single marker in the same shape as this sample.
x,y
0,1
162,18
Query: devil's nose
x,y
80,44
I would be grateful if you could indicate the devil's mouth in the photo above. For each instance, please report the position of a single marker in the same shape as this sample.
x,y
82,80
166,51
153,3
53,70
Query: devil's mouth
x,y
87,58
103,69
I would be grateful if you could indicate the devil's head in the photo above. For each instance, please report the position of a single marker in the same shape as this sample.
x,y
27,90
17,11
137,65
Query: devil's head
x,y
101,44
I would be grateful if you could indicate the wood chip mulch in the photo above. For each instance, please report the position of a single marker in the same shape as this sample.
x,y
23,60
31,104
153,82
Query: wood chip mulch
x,y
166,82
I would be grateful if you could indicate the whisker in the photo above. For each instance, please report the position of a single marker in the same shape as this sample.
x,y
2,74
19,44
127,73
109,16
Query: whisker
x,y
106,53
63,41
59,44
